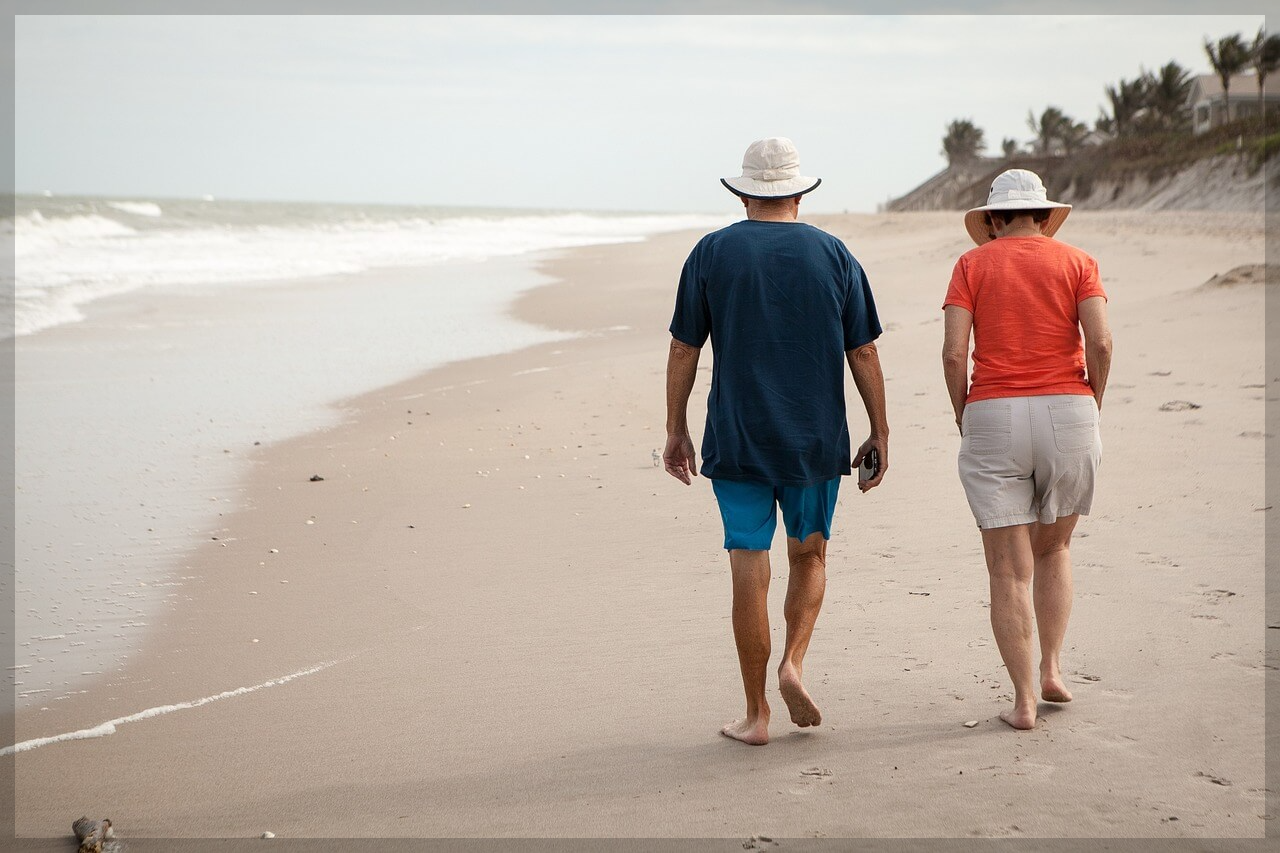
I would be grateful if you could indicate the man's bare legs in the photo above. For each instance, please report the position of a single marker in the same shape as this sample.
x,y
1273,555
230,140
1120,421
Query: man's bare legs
x,y
1052,595
751,633
1010,564
805,587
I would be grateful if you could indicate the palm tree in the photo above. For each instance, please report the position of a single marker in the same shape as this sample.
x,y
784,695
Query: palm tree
x,y
1052,126
1228,58
1265,56
1166,94
1009,147
963,142
1072,135
1127,99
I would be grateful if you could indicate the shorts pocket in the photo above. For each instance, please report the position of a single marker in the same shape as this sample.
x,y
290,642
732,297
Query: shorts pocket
x,y
988,430
1075,426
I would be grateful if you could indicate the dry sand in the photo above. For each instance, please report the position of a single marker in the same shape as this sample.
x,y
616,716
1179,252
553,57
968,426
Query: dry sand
x,y
524,624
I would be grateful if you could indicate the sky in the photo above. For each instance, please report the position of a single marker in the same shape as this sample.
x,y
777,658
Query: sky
x,y
564,112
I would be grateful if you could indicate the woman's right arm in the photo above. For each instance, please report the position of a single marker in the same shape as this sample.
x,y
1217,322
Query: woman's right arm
x,y
955,356
1097,344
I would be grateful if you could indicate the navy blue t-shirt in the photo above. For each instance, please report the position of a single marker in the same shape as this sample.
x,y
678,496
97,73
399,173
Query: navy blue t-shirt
x,y
782,302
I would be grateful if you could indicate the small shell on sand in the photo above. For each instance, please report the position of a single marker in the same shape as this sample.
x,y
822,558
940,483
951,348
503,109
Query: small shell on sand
x,y
268,835
466,506
971,724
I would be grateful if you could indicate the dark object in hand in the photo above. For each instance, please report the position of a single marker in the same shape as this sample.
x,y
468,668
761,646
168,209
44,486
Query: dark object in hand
x,y
870,466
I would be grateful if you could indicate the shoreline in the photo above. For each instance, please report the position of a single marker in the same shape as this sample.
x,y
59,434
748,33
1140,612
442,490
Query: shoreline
x,y
517,564
189,382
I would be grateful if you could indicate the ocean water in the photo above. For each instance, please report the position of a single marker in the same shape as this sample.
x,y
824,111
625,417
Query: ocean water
x,y
70,251
157,341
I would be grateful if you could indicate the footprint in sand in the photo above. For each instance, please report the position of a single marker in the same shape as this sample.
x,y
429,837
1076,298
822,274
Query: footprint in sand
x,y
1209,777
1102,734
1232,657
997,832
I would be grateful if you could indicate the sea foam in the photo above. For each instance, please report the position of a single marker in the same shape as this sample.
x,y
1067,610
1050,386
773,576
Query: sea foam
x,y
109,727
90,251
138,208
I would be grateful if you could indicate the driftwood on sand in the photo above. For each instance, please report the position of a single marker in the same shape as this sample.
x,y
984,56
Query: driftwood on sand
x,y
91,834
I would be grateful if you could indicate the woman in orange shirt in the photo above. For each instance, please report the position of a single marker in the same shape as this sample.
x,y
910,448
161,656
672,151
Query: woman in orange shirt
x,y
1028,416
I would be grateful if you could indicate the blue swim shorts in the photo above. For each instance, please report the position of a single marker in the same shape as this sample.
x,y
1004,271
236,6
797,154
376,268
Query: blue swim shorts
x,y
750,517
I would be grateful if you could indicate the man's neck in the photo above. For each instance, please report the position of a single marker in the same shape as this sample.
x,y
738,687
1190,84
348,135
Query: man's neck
x,y
781,210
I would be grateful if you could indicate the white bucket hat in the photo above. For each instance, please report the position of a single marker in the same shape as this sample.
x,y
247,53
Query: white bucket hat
x,y
1015,189
771,169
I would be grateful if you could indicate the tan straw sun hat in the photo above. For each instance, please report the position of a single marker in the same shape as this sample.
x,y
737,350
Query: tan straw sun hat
x,y
771,169
1015,189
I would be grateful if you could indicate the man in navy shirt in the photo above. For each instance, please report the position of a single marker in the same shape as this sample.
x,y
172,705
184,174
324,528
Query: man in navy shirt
x,y
785,305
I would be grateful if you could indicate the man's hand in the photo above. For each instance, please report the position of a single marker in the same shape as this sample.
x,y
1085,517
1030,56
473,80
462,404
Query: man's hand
x,y
679,459
881,446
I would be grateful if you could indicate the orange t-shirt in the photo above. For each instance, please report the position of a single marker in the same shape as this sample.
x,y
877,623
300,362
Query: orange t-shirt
x,y
1023,293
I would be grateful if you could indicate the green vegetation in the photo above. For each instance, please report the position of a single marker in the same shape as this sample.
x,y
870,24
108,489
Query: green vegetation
x,y
1145,127
963,142
1159,154
1265,55
1056,132
1228,58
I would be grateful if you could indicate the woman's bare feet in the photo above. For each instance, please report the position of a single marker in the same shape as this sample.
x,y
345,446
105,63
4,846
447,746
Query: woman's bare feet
x,y
1022,716
804,712
752,731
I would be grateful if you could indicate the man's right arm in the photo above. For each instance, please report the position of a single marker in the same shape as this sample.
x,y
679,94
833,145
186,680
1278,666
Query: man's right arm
x,y
682,369
1097,344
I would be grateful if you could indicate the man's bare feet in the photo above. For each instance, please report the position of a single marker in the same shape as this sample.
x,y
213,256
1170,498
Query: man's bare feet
x,y
1022,716
803,712
754,732
1053,689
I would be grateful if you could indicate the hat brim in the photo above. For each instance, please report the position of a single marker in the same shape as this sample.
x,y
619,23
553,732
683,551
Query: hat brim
x,y
750,188
975,221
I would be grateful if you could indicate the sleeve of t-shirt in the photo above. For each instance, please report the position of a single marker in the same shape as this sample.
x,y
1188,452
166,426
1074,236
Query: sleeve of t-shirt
x,y
958,292
691,323
1090,283
859,318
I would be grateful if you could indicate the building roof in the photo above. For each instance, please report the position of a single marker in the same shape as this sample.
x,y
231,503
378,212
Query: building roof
x,y
1208,86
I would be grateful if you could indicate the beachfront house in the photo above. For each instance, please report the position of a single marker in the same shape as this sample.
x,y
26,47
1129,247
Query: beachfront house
x,y
1209,107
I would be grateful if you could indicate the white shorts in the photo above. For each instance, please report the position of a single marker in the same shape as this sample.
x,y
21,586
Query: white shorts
x,y
1025,459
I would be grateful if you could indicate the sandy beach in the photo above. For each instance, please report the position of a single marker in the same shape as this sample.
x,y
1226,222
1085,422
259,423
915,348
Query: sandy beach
x,y
494,616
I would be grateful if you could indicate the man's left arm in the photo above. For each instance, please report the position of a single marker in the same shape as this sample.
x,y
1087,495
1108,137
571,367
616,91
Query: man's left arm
x,y
864,363
682,369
